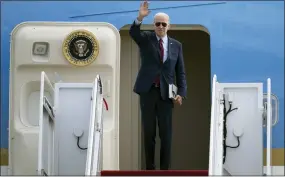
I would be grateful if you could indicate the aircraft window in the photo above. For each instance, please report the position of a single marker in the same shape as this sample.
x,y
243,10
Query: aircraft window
x,y
275,109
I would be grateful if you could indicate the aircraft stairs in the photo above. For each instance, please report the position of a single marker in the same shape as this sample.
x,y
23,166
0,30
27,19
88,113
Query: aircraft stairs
x,y
94,157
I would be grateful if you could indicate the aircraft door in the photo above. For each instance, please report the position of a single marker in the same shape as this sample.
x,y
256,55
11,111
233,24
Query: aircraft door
x,y
241,113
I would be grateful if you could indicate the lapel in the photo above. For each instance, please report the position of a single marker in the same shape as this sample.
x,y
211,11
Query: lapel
x,y
156,46
170,46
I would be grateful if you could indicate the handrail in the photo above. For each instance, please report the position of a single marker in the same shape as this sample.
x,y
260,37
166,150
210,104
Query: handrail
x,y
216,132
269,130
47,80
91,131
212,128
44,104
99,132
93,162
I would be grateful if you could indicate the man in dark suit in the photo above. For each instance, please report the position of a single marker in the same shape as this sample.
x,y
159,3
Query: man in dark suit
x,y
161,62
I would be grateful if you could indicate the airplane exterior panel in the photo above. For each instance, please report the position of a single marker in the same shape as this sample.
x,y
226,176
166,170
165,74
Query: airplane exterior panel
x,y
247,41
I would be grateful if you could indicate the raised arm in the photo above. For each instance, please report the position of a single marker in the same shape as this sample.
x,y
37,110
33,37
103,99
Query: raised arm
x,y
135,32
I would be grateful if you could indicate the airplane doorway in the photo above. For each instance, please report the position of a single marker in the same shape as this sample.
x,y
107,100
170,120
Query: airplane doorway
x,y
191,121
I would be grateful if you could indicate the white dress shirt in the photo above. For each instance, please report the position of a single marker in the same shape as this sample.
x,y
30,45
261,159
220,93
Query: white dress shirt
x,y
164,43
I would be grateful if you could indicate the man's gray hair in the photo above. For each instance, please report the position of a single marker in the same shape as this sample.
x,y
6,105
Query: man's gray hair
x,y
161,14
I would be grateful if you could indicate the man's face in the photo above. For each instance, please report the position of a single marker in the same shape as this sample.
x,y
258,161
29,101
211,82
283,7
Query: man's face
x,y
161,25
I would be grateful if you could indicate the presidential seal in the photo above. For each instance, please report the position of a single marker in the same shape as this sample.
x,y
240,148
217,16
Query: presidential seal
x,y
81,48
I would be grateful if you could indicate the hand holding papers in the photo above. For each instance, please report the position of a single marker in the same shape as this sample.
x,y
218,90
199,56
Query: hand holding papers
x,y
172,91
173,94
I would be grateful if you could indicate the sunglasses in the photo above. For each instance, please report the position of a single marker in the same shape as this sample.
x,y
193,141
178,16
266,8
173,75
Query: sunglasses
x,y
160,23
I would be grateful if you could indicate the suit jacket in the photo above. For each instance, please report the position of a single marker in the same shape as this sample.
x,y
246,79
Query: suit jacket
x,y
151,65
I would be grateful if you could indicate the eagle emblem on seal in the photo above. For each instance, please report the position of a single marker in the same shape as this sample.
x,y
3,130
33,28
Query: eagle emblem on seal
x,y
81,48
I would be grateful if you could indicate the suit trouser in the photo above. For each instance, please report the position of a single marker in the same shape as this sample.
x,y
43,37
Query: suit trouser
x,y
156,110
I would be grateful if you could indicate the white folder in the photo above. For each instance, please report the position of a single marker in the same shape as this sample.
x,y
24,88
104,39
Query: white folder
x,y
172,91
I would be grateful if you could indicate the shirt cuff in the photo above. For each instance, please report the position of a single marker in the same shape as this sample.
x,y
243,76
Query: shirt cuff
x,y
137,22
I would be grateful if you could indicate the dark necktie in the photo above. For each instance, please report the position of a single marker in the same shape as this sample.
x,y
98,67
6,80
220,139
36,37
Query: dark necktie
x,y
157,80
161,50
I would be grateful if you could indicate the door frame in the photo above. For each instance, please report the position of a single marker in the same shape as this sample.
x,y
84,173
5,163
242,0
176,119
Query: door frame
x,y
135,136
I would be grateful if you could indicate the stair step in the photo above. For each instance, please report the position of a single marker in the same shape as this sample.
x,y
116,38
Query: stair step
x,y
155,173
